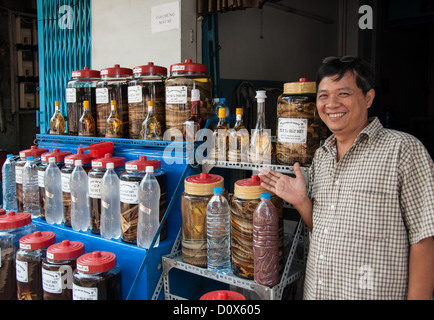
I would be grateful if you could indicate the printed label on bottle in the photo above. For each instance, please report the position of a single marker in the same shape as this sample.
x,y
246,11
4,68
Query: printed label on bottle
x,y
22,273
49,195
19,175
292,130
135,94
101,95
65,182
176,95
51,281
95,188
83,293
129,192
71,95
41,178
144,209
105,205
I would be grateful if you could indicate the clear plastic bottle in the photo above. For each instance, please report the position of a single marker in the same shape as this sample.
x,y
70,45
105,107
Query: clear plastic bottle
x,y
9,184
53,193
31,188
218,224
266,242
80,207
110,227
149,209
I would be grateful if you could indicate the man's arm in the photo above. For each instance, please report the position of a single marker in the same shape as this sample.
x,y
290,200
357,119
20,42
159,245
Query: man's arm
x,y
421,270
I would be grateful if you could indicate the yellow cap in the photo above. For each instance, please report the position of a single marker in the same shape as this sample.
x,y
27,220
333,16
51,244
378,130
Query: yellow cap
x,y
57,103
113,104
86,104
150,103
222,113
239,111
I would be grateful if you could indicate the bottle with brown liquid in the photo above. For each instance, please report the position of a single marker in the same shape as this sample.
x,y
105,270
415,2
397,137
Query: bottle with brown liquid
x,y
151,127
238,139
86,124
220,136
195,122
114,122
57,121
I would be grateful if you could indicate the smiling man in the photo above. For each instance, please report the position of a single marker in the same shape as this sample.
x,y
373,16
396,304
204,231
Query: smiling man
x,y
370,203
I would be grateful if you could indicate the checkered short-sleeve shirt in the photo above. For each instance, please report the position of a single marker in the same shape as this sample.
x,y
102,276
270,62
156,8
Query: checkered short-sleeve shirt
x,y
367,209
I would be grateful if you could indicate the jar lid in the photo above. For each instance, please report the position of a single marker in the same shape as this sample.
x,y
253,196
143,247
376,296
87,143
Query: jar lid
x,y
222,295
80,155
188,66
99,149
249,188
34,151
59,155
303,86
102,162
85,73
65,250
2,212
142,163
150,69
203,184
96,261
37,240
116,72
12,220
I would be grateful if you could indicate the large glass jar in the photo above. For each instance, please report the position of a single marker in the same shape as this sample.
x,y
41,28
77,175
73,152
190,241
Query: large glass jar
x,y
80,88
183,78
60,157
97,277
198,190
112,86
34,152
58,268
29,259
99,167
148,85
299,126
129,194
13,226
246,197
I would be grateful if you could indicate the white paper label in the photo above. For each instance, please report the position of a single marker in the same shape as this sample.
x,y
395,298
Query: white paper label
x,y
129,192
66,177
19,175
292,130
71,95
95,188
176,95
144,209
101,95
41,175
21,268
83,293
165,17
135,94
51,281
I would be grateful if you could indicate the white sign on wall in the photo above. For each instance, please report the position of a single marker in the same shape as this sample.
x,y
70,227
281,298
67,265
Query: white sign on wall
x,y
165,17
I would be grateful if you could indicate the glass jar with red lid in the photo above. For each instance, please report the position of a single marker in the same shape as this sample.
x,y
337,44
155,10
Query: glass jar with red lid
x,y
97,277
113,85
80,88
28,265
198,190
13,226
58,268
184,77
99,167
148,84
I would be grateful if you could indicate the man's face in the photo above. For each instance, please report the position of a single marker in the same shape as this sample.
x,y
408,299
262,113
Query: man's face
x,y
342,105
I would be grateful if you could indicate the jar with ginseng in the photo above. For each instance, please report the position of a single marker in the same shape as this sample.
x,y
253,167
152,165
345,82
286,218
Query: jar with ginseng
x,y
246,197
198,190
148,84
112,86
33,249
184,77
80,88
99,167
135,171
299,126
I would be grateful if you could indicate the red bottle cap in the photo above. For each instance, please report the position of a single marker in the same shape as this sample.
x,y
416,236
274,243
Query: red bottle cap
x,y
187,66
59,155
34,151
12,220
116,72
99,149
97,261
204,178
65,250
223,295
102,162
150,69
80,155
85,73
37,240
253,181
142,163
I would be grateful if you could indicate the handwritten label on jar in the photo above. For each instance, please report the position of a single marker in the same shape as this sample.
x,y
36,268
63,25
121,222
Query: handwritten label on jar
x,y
19,175
95,188
71,95
83,293
41,175
176,94
51,281
135,94
292,130
66,177
129,192
101,95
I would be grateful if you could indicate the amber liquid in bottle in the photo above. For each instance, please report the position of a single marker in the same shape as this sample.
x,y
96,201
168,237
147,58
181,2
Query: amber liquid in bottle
x,y
86,124
194,123
238,139
220,137
57,121
151,127
114,123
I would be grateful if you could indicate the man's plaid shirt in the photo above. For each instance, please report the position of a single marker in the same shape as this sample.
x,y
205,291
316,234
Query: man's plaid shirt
x,y
368,208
